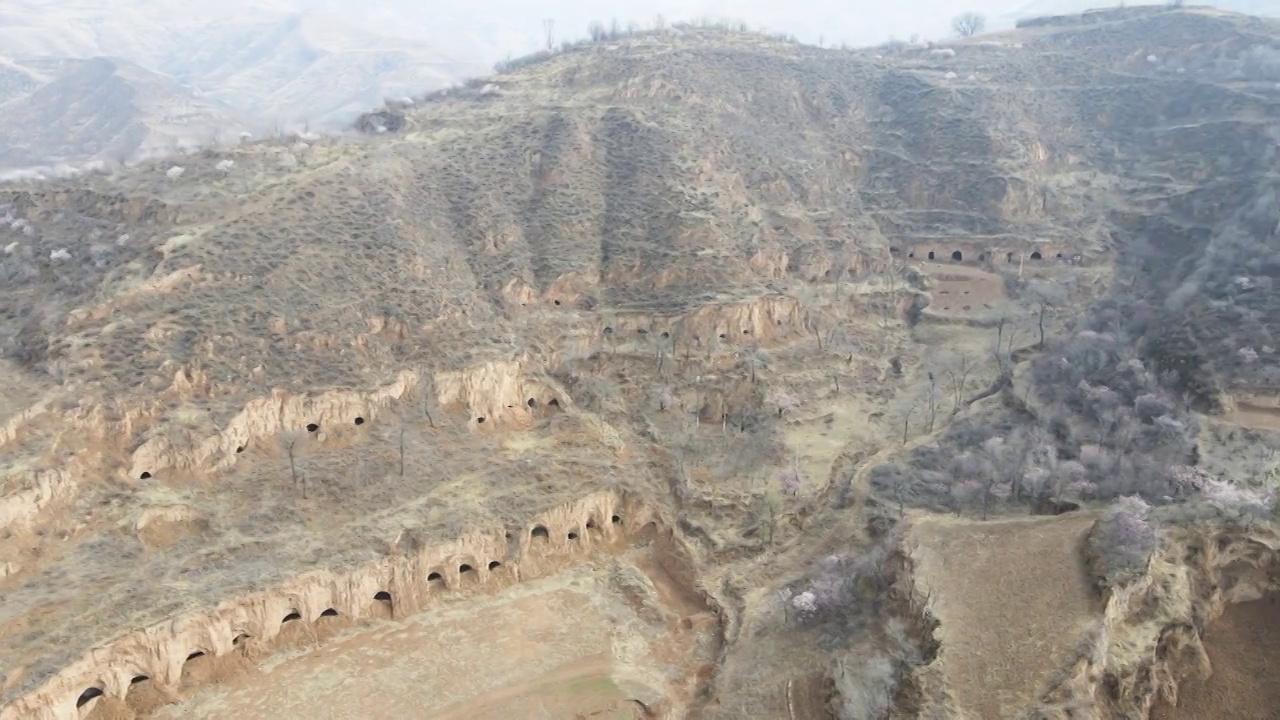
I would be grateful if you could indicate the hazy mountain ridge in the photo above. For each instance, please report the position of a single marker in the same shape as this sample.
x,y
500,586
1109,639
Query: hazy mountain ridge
x,y
260,67
102,110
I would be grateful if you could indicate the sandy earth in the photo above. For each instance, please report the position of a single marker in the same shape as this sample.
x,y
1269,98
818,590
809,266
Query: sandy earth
x,y
1013,598
1244,652
1256,418
512,655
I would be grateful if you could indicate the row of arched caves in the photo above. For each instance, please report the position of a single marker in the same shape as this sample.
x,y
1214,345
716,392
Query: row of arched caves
x,y
313,428
435,578
310,427
958,255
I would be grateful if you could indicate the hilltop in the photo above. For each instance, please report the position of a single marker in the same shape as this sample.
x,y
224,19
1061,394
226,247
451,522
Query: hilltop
x,y
701,335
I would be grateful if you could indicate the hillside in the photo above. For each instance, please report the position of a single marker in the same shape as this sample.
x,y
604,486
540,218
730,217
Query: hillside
x,y
697,337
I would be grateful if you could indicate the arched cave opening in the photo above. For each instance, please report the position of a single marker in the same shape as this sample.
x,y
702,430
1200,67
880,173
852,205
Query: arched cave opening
x,y
982,256
139,679
87,695
616,519
145,475
1008,257
894,251
382,596
641,331
573,535
295,615
540,532
532,403
240,638
312,427
608,330
435,577
195,654
930,254
957,255
239,449
666,335
1058,256
723,336
359,421
480,420
591,523
464,568
557,302
554,401
1035,255
329,612
494,565
746,332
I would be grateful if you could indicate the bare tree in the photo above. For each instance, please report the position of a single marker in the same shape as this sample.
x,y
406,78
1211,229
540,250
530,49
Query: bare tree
x,y
782,401
400,433
1045,296
549,29
755,359
663,396
959,372
291,441
968,24
933,402
907,409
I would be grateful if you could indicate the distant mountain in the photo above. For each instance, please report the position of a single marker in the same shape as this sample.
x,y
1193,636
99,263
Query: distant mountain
x,y
312,67
75,111
1036,8
179,70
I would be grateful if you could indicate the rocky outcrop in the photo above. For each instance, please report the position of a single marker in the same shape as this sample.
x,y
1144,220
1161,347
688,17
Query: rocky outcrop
x,y
407,579
44,488
498,393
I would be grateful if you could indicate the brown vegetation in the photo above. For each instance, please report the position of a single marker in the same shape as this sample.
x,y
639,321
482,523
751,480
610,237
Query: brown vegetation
x,y
685,272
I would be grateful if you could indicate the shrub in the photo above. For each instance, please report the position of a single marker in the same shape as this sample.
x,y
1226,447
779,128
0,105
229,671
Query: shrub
x,y
1121,541
845,591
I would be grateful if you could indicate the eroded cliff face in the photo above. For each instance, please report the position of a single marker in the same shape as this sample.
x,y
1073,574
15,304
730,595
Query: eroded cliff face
x,y
405,581
1150,639
499,392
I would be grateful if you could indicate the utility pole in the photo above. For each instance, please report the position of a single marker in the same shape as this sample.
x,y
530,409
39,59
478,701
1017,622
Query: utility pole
x,y
549,27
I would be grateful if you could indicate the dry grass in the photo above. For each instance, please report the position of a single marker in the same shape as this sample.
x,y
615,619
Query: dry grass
x,y
1012,598
641,184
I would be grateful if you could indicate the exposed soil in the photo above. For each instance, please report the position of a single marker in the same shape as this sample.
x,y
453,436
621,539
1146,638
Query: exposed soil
x,y
962,291
1244,653
1012,598
1255,416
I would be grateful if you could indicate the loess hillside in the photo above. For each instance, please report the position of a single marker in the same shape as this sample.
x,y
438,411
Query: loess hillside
x,y
706,269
